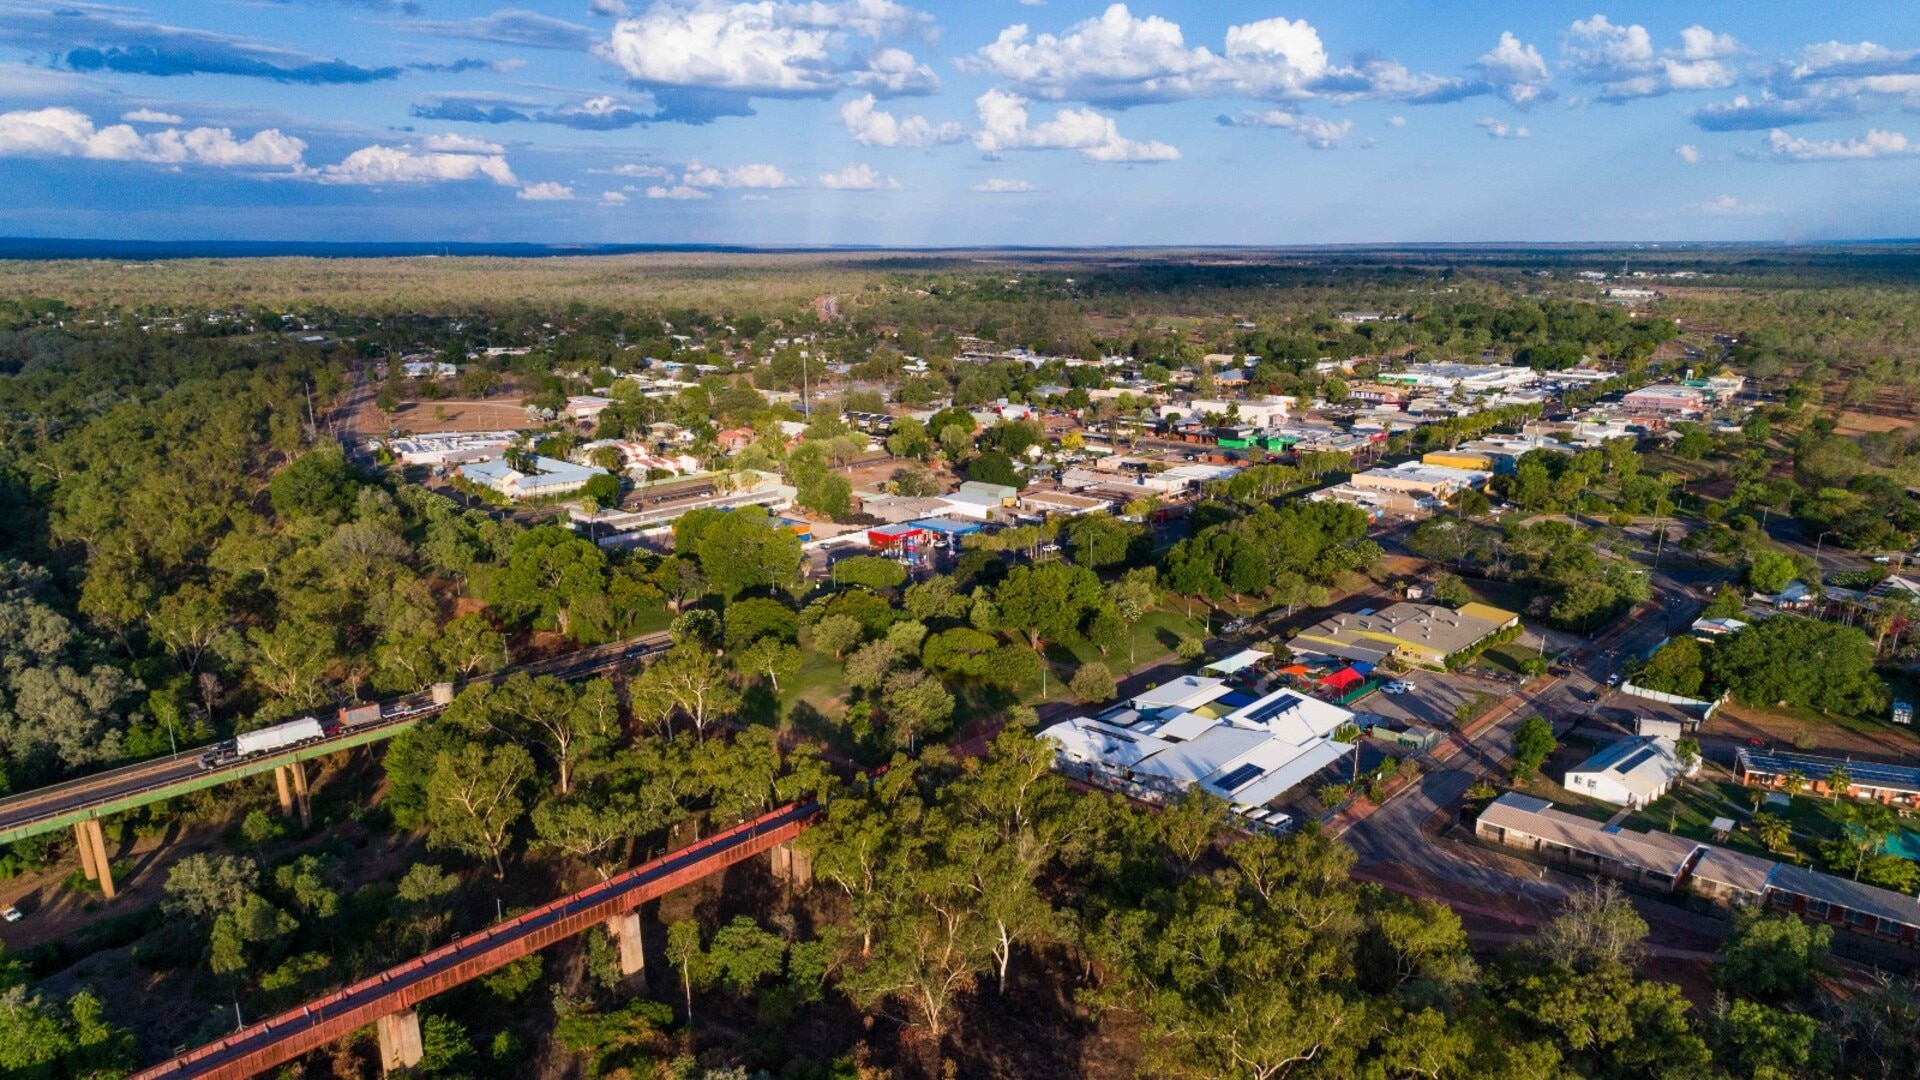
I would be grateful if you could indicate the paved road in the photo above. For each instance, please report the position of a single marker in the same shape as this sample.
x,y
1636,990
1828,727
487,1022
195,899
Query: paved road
x,y
161,773
1394,834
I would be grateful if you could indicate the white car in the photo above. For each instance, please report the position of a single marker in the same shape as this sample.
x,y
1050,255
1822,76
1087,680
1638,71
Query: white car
x,y
1400,686
10,913
1614,679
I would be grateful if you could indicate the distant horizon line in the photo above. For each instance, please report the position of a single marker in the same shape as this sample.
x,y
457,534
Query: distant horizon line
x,y
45,248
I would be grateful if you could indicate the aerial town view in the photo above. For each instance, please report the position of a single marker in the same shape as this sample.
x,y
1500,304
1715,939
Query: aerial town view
x,y
737,539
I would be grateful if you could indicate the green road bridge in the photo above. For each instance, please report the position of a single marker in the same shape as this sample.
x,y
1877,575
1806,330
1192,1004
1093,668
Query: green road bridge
x,y
81,803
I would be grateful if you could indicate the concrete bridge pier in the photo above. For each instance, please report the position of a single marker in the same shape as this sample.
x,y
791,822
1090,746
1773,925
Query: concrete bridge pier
x,y
625,931
400,1046
93,854
791,865
291,779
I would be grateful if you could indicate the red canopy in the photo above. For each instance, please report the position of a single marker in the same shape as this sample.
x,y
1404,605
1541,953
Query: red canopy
x,y
1345,678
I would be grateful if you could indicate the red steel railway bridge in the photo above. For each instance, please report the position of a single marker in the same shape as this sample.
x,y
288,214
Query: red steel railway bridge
x,y
387,1000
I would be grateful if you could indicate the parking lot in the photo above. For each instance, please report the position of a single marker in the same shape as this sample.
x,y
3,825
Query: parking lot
x,y
1432,701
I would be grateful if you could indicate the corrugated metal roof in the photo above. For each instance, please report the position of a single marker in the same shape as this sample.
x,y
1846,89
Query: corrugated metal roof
x,y
1662,853
1748,873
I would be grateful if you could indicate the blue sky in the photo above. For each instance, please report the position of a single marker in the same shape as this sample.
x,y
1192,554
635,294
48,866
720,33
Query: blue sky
x,y
986,122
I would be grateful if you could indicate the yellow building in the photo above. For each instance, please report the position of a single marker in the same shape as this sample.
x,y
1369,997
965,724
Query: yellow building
x,y
1419,633
1458,459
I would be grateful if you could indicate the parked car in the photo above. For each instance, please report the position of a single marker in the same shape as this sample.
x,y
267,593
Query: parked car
x,y
10,913
1614,679
1398,686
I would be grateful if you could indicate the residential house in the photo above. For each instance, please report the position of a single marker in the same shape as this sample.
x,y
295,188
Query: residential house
x,y
734,440
1632,772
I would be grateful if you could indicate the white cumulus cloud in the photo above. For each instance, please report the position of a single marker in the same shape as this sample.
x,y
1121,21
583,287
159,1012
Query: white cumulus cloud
x,y
613,198
410,164
649,172
546,191
64,132
740,176
1500,129
150,116
1316,131
1622,62
858,177
1120,58
1688,153
1004,125
461,144
1515,70
1876,143
676,191
769,46
872,126
1002,186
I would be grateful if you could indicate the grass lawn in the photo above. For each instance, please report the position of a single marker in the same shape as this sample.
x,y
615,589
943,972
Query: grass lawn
x,y
1154,637
1509,657
818,683
652,619
1542,788
1505,595
1689,809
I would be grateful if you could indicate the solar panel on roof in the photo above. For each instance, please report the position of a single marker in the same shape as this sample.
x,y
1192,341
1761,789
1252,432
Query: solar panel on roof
x,y
1273,708
1636,760
1239,777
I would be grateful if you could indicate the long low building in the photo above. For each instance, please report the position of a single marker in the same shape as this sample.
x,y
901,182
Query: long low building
x,y
452,447
1413,478
1654,859
544,478
1200,731
1419,633
1895,785
1667,862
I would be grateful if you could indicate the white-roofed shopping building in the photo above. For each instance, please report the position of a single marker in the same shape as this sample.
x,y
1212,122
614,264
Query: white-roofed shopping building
x,y
1198,730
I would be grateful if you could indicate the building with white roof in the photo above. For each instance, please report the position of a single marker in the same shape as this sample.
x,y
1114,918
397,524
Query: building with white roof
x,y
1471,378
1199,730
1632,772
452,447
1417,479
